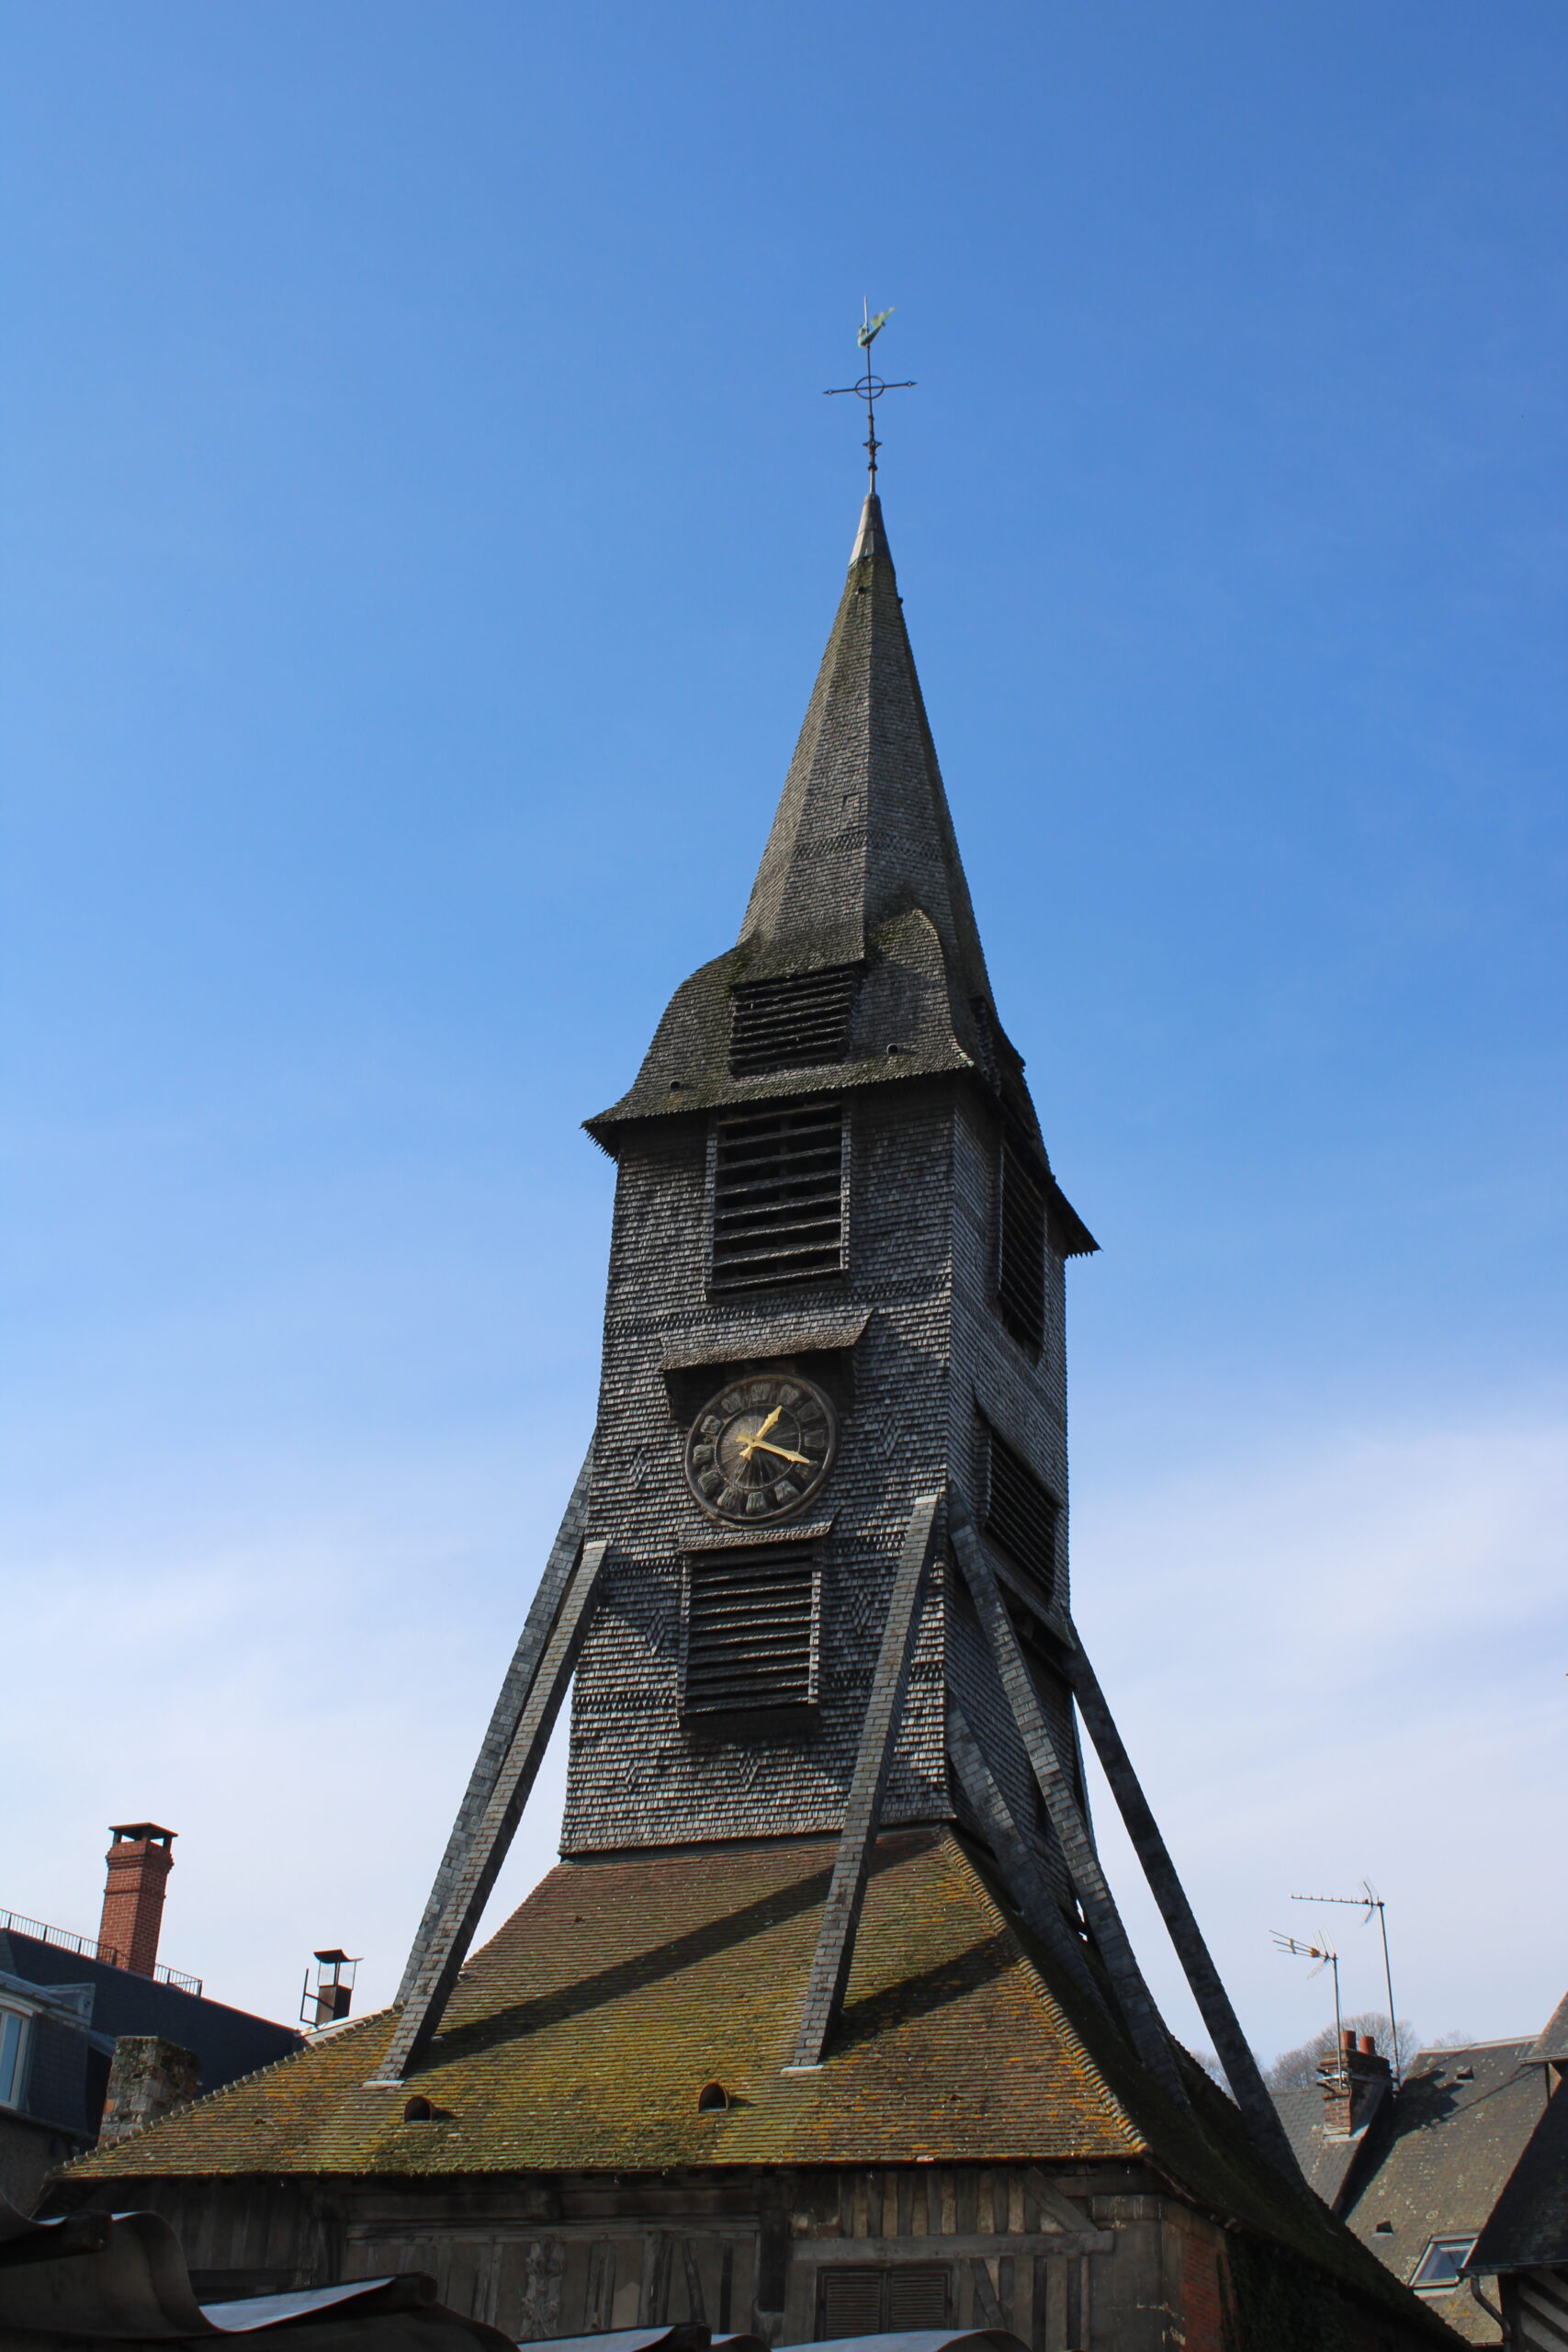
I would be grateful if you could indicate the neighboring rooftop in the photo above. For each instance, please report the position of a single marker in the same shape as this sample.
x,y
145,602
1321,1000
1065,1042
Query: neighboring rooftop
x,y
89,1947
1435,2160
115,2000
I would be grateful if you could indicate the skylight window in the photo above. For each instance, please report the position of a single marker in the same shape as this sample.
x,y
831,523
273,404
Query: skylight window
x,y
1439,2268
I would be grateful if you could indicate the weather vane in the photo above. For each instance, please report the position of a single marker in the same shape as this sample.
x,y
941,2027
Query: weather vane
x,y
871,386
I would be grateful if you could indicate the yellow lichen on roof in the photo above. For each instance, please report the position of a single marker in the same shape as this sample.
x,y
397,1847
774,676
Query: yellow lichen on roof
x,y
580,2037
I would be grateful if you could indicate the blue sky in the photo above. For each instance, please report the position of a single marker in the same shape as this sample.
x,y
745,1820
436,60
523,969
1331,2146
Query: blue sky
x,y
422,524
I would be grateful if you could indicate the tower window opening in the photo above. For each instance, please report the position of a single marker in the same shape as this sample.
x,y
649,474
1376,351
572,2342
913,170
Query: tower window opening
x,y
1020,1252
750,1629
1021,1513
793,1022
778,1204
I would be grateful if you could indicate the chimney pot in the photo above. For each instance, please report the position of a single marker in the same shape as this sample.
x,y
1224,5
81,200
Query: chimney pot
x,y
139,1865
1368,2046
1348,2038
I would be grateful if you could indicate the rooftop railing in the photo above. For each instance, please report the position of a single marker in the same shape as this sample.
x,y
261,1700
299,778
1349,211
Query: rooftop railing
x,y
89,1947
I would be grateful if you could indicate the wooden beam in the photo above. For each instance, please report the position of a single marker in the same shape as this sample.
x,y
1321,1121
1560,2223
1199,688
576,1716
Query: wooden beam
x,y
1025,1876
840,1915
446,1947
1231,2046
542,1613
1142,2019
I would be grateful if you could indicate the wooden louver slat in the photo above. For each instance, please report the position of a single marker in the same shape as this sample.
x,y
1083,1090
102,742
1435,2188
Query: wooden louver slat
x,y
792,1022
778,1196
751,1622
1020,1256
1021,1513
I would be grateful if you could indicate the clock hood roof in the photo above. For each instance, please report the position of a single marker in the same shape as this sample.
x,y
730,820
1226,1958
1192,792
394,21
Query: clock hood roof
x,y
861,870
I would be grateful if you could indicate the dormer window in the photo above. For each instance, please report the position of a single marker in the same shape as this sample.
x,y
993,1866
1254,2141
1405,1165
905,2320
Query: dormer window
x,y
793,1023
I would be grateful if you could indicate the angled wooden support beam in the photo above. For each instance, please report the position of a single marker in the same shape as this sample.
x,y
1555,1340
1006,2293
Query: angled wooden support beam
x,y
840,1915
1257,2109
1142,2018
1025,1876
446,1947
541,1612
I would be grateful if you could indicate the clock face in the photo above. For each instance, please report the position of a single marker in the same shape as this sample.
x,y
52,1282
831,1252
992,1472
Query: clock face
x,y
762,1447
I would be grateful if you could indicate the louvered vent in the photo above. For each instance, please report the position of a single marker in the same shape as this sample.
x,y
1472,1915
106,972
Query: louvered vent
x,y
791,1023
917,2296
1021,1257
850,2301
751,1624
1021,1513
778,1213
856,2300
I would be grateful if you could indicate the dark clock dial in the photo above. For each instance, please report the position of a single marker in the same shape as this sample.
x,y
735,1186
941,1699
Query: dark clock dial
x,y
762,1447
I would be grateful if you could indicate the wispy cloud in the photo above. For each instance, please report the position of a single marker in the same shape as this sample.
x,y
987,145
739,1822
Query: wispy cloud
x,y
1342,1659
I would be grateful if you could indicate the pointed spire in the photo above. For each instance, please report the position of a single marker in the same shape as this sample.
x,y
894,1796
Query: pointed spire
x,y
863,830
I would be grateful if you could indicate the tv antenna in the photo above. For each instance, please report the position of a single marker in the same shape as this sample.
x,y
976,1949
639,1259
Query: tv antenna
x,y
1326,1956
1367,1902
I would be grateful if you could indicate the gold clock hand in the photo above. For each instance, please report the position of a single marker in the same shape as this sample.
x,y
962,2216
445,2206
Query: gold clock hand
x,y
749,1444
781,1451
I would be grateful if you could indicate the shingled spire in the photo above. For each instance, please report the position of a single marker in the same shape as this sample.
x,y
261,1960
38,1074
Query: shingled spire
x,y
861,878
863,831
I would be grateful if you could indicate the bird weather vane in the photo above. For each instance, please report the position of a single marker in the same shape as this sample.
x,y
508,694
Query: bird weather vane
x,y
871,386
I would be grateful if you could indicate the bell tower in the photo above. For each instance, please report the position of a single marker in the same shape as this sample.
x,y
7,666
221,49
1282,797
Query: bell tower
x,y
835,1225
826,2022
812,1581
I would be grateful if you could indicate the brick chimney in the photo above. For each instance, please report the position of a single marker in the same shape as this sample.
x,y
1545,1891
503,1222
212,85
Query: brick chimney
x,y
139,1862
1352,2084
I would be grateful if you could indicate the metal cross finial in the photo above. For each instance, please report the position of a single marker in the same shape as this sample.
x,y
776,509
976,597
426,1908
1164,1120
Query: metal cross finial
x,y
871,386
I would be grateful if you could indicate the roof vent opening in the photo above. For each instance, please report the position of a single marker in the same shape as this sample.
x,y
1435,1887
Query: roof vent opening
x,y
791,1023
713,2100
778,1208
418,2110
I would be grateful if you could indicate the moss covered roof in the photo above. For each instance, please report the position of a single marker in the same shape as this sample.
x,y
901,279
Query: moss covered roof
x,y
580,2039
580,2036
